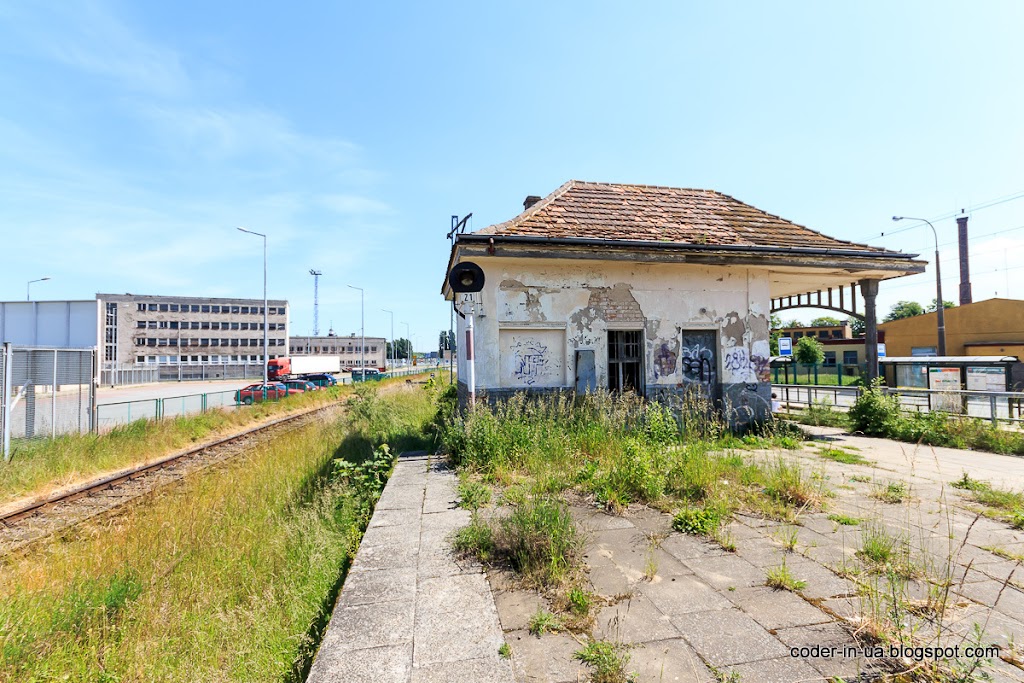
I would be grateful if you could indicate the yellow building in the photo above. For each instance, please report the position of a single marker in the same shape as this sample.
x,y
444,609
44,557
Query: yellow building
x,y
994,327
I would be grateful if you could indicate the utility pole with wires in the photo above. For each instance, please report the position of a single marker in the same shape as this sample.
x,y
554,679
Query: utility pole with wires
x,y
316,300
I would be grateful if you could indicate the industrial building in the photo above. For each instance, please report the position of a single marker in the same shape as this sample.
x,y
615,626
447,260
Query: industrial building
x,y
374,352
993,327
172,330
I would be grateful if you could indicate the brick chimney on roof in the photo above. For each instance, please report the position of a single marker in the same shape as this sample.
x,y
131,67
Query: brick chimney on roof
x,y
530,201
965,267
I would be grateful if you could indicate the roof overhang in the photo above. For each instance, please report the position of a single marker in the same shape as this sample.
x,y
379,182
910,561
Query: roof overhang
x,y
794,269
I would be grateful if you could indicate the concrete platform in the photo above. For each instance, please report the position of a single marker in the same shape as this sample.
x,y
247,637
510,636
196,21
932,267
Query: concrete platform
x,y
409,610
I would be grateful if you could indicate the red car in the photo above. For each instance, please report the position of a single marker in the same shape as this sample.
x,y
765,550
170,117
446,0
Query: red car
x,y
299,386
255,392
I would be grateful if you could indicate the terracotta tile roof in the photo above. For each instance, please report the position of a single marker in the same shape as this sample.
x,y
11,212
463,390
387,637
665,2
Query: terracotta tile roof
x,y
611,211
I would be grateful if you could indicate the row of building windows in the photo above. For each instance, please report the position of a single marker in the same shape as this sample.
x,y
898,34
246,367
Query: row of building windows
x,y
203,325
331,349
150,341
210,308
849,358
821,334
174,360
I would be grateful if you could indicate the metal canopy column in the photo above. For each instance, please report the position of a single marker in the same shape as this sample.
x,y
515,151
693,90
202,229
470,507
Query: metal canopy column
x,y
869,290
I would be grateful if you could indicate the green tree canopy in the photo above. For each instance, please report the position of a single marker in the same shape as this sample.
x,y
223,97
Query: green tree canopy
x,y
857,326
402,348
809,351
903,309
826,321
945,304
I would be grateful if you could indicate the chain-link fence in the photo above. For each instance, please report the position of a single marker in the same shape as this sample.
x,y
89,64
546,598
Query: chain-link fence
x,y
46,392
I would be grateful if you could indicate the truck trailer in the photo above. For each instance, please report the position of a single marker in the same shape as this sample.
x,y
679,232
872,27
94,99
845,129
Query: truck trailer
x,y
280,368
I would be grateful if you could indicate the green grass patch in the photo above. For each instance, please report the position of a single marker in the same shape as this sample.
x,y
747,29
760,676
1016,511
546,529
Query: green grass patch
x,y
229,575
844,520
841,455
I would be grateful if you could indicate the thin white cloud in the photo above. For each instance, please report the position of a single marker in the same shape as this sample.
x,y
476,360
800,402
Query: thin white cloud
x,y
87,37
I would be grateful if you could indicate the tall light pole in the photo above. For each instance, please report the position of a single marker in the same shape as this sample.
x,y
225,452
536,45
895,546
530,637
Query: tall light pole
x,y
316,300
28,287
266,344
392,336
362,331
409,341
939,304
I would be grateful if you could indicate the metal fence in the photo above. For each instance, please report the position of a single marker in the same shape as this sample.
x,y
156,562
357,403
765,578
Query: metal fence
x,y
994,406
146,374
45,392
836,374
110,415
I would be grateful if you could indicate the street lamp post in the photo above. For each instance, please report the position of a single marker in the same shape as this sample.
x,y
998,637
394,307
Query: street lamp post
x,y
28,287
408,341
266,344
392,336
939,304
362,331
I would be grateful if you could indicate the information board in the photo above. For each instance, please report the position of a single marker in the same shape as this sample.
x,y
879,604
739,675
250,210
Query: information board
x,y
986,379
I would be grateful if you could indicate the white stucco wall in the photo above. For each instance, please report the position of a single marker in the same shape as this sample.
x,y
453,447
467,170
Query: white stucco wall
x,y
533,315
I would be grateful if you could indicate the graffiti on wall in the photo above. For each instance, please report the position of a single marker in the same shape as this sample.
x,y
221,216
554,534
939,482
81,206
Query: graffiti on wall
x,y
664,360
697,357
531,360
741,366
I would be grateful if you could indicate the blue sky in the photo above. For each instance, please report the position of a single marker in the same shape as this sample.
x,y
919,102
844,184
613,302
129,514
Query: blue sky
x,y
135,137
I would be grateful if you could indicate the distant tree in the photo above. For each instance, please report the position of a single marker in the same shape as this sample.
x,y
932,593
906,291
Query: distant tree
x,y
903,309
774,330
945,304
826,321
402,348
794,323
857,326
809,351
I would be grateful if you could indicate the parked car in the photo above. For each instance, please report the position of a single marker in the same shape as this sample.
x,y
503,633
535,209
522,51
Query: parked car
x,y
369,374
255,392
321,379
299,386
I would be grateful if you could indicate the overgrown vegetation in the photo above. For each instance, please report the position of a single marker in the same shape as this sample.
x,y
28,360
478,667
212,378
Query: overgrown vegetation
x,y
42,465
878,414
622,450
782,578
1004,504
227,576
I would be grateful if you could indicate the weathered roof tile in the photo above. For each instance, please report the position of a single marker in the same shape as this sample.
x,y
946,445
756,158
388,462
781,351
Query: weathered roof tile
x,y
610,211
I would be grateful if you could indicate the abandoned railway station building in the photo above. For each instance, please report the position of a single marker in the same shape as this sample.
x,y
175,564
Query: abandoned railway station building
x,y
656,290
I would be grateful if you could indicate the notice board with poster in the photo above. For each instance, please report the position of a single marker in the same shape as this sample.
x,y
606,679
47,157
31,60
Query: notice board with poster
x,y
986,379
945,379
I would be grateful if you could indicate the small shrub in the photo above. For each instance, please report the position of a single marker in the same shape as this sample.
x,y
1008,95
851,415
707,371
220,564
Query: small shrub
x,y
505,651
821,414
473,495
700,521
875,413
607,660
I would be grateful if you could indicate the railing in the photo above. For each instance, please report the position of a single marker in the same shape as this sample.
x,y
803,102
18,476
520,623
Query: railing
x,y
110,415
995,406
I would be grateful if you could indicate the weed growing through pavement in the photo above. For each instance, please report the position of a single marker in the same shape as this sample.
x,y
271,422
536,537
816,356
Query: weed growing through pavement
x,y
782,578
843,520
892,492
607,661
543,622
505,651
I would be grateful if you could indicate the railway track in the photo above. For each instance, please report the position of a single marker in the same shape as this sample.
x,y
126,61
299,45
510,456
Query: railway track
x,y
32,522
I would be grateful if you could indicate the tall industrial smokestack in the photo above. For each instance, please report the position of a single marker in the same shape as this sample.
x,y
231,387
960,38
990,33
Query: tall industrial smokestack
x,y
965,267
